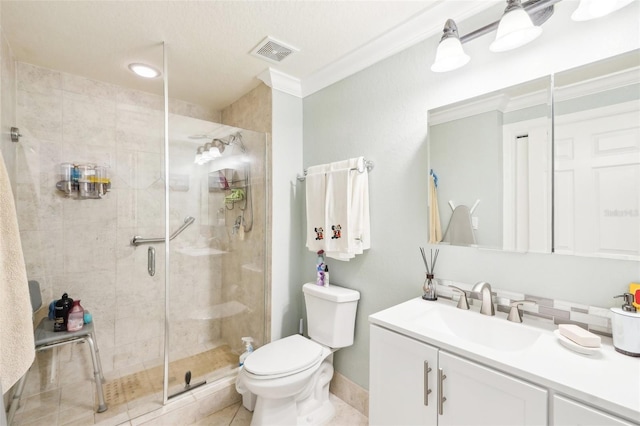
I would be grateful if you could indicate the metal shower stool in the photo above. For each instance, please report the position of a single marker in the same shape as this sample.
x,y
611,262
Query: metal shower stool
x,y
45,338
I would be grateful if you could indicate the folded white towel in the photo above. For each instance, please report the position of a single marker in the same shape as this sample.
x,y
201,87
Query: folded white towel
x,y
17,349
315,202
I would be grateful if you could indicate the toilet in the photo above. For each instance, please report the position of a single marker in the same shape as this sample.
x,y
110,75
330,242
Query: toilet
x,y
290,377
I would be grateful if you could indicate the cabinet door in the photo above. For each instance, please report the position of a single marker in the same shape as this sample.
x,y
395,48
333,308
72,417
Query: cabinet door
x,y
477,395
569,413
399,380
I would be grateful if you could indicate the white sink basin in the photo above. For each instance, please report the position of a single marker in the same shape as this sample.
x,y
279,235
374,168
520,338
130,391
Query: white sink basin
x,y
492,332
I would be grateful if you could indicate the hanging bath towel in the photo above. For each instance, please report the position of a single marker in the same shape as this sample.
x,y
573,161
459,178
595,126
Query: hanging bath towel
x,y
17,349
315,203
337,211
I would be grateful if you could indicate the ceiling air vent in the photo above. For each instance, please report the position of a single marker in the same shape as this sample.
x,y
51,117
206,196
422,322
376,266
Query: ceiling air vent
x,y
273,50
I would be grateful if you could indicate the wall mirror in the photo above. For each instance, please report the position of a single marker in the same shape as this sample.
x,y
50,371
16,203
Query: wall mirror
x,y
492,158
597,159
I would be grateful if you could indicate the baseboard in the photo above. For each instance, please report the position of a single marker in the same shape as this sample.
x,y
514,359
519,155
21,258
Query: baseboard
x,y
351,393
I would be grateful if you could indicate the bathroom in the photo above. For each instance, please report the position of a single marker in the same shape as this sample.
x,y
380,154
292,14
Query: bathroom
x,y
381,112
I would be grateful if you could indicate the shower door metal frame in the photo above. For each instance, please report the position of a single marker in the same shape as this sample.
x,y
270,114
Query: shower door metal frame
x,y
167,231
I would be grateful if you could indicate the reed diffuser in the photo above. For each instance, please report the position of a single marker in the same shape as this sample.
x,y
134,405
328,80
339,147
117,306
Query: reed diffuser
x,y
429,286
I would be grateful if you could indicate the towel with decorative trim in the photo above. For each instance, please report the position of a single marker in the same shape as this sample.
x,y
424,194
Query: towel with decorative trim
x,y
315,202
17,350
355,229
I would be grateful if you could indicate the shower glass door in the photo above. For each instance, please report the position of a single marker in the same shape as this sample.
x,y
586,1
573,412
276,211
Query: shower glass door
x,y
216,283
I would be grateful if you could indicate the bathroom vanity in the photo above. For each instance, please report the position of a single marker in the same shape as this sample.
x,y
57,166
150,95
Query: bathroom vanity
x,y
434,364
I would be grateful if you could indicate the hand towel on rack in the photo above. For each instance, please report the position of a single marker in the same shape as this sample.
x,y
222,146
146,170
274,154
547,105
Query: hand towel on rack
x,y
315,202
17,349
357,235
337,210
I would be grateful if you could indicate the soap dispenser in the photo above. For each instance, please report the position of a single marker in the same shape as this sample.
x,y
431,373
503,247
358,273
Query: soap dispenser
x,y
625,323
247,341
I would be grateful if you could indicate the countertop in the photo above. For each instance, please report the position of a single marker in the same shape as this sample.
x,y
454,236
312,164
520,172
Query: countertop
x,y
607,379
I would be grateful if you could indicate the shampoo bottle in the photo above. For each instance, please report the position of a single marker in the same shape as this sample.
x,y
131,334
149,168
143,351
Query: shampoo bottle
x,y
62,307
248,349
76,317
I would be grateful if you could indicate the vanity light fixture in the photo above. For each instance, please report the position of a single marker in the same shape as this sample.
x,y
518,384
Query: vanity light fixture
x,y
143,70
450,54
210,151
199,156
592,9
515,28
519,25
219,145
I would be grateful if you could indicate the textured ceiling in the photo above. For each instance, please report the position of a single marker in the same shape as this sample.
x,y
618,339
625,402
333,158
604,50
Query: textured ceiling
x,y
208,42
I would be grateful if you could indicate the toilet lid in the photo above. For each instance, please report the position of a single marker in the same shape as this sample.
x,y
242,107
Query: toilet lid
x,y
289,355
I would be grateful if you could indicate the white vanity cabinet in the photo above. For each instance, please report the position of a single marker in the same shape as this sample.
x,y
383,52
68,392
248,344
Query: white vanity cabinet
x,y
402,380
412,383
567,412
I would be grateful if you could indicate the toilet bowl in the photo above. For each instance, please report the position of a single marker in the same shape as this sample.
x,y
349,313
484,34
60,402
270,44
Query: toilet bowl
x,y
291,376
284,375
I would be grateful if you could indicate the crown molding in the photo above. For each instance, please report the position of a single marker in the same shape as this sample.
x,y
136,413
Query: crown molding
x,y
280,81
416,29
598,84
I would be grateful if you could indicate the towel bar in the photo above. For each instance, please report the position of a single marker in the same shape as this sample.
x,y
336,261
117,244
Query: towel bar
x,y
368,164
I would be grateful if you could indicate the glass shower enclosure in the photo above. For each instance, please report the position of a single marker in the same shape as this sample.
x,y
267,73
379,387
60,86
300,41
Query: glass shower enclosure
x,y
216,284
168,316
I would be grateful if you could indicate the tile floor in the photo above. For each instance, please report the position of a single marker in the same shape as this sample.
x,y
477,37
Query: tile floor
x,y
237,415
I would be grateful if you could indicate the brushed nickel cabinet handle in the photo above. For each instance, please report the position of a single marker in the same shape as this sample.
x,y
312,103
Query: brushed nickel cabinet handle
x,y
427,391
441,398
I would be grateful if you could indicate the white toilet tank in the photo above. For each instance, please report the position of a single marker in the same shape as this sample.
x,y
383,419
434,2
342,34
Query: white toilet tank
x,y
331,314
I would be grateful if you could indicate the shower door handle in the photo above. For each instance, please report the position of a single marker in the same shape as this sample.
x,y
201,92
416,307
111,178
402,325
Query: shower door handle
x,y
151,261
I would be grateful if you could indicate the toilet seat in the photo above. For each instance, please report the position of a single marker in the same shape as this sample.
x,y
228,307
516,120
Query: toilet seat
x,y
285,357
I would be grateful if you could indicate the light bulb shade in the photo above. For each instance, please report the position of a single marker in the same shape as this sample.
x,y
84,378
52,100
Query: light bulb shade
x,y
214,152
450,54
592,9
217,143
514,30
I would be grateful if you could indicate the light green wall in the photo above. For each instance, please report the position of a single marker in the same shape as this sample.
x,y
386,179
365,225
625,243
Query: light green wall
x,y
381,113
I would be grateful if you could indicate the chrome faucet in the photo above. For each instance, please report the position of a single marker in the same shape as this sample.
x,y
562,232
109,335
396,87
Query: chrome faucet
x,y
484,288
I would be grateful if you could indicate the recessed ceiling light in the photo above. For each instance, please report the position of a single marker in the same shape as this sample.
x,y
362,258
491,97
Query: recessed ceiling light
x,y
145,71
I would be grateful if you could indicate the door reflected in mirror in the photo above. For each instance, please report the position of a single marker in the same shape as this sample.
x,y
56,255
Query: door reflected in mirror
x,y
597,159
492,159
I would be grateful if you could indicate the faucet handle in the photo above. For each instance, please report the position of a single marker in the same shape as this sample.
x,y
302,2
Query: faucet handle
x,y
463,303
515,314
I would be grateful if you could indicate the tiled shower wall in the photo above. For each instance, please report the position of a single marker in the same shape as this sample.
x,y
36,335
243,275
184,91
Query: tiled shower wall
x,y
8,108
254,112
83,246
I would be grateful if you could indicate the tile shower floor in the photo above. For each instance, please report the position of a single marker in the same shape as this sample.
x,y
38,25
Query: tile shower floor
x,y
127,396
140,392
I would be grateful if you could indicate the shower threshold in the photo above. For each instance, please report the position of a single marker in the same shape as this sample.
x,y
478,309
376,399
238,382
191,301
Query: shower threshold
x,y
187,385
